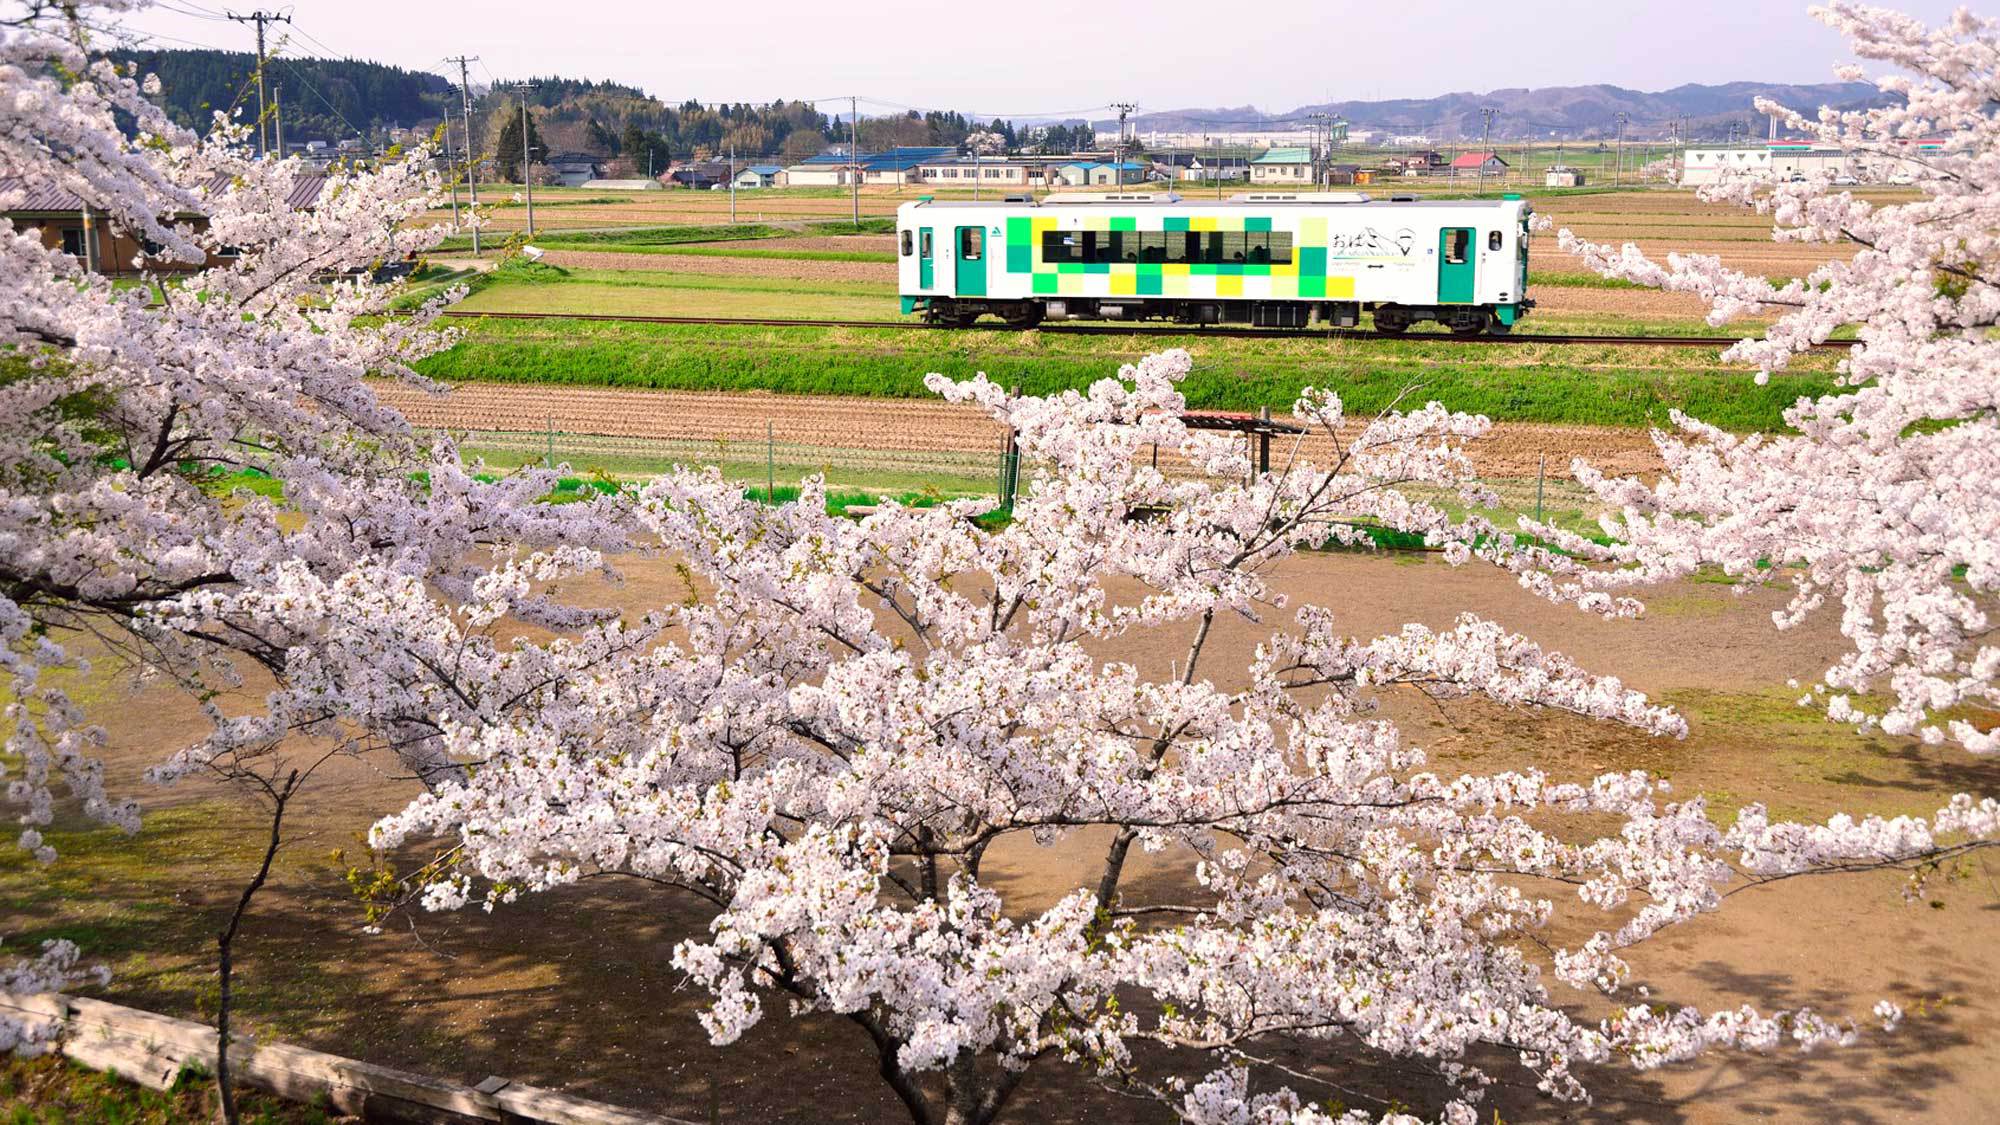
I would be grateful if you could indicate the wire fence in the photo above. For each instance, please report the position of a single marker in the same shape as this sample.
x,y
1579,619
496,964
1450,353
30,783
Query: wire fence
x,y
928,464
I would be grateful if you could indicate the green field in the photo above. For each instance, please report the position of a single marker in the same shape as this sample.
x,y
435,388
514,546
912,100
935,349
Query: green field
x,y
1598,385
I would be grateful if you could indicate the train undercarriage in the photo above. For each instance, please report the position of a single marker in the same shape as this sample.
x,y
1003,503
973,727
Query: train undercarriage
x,y
1462,320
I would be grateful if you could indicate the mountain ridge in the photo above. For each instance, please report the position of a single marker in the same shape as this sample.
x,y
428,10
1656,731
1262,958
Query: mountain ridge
x,y
1528,113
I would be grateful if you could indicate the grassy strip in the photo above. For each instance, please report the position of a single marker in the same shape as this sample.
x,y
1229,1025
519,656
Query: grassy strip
x,y
640,237
1573,384
53,1090
1577,279
705,251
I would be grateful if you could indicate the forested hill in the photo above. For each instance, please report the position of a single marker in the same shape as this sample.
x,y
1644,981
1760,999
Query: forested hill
x,y
323,99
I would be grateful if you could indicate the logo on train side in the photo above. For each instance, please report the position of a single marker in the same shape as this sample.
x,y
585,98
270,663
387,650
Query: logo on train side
x,y
1371,243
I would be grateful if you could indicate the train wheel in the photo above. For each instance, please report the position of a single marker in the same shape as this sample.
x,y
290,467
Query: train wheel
x,y
962,319
1025,315
1393,321
1469,325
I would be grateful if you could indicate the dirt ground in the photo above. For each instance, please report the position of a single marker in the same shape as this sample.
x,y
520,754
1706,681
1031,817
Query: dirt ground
x,y
573,989
1511,449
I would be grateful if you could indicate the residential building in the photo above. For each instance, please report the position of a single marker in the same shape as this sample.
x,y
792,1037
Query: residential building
x,y
759,176
1200,166
101,244
1093,173
574,169
1477,164
1282,166
699,173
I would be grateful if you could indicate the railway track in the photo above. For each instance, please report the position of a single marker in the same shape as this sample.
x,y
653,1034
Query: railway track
x,y
1113,329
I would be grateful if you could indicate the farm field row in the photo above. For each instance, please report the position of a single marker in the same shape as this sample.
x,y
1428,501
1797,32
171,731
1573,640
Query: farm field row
x,y
1563,384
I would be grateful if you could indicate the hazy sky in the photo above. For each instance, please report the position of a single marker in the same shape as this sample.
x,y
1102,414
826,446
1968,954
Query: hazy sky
x,y
1033,59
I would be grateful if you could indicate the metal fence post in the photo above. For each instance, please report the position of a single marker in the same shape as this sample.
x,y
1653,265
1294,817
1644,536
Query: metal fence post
x,y
1541,470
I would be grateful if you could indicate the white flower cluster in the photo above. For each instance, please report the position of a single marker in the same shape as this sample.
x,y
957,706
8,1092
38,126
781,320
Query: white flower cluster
x,y
1879,497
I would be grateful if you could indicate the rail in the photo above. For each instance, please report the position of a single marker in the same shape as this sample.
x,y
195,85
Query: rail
x,y
1115,329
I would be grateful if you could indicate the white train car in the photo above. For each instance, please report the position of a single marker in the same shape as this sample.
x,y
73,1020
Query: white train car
x,y
1279,259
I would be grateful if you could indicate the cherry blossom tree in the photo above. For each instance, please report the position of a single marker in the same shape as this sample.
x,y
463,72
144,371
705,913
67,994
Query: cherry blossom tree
x,y
1880,496
831,742
122,408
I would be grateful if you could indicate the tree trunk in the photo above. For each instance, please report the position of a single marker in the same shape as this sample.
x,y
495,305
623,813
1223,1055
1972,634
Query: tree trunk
x,y
226,940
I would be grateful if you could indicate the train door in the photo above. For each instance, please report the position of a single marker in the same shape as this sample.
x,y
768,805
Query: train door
x,y
926,259
971,270
1456,266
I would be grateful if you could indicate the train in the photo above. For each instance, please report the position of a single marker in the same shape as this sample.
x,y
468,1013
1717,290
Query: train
x,y
1264,258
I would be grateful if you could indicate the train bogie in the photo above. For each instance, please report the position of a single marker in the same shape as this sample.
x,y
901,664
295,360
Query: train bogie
x,y
1275,260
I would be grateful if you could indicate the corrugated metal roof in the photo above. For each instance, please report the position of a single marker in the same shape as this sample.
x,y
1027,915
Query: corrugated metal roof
x,y
765,169
1284,156
305,192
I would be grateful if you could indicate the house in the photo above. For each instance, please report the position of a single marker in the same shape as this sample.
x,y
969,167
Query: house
x,y
1282,166
1562,175
1093,173
100,244
699,174
1198,166
1478,164
1346,174
758,176
574,169
1419,163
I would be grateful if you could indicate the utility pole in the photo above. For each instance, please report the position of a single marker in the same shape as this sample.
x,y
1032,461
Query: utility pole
x,y
261,17
1118,150
450,170
1485,140
1218,167
471,162
527,155
1319,161
1620,179
732,181
278,118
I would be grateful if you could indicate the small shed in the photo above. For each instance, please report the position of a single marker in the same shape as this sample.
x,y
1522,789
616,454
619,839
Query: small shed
x,y
1562,175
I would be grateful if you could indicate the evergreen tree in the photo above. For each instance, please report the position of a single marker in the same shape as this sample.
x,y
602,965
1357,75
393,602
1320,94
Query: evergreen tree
x,y
507,146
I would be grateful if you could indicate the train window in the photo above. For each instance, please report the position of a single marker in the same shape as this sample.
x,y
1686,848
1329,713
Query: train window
x,y
1153,246
1456,249
1257,247
971,243
1493,240
1281,247
924,244
909,244
1058,246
